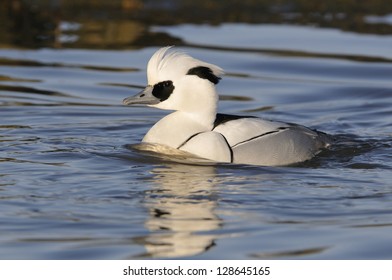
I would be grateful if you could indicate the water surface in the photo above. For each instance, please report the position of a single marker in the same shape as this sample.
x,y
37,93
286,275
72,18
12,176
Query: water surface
x,y
71,186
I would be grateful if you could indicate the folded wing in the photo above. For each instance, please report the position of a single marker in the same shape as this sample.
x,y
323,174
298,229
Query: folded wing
x,y
264,142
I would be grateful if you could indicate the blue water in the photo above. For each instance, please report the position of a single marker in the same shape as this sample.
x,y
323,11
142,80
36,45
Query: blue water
x,y
72,186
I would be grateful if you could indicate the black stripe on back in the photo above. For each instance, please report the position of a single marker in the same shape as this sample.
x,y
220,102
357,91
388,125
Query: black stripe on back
x,y
230,149
261,135
223,118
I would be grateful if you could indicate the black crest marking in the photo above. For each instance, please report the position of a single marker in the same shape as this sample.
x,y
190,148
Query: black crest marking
x,y
204,73
163,90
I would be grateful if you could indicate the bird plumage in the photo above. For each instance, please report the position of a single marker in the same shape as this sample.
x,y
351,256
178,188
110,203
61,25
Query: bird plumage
x,y
178,82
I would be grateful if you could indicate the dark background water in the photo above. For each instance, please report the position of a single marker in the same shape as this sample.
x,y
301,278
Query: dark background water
x,y
72,188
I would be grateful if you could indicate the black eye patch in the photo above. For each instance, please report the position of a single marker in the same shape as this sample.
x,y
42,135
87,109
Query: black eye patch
x,y
204,73
162,90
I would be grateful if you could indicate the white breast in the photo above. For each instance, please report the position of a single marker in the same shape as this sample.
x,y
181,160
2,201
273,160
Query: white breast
x,y
174,130
209,145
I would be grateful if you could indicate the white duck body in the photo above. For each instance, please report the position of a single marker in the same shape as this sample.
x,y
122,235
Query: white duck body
x,y
181,83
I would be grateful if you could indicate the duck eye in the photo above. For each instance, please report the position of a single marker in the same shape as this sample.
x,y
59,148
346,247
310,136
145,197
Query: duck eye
x,y
163,90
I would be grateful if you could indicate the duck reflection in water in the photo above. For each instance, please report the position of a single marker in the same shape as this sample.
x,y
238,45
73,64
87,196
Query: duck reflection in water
x,y
181,208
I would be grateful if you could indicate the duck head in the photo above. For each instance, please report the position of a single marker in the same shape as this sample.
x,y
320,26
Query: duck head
x,y
179,82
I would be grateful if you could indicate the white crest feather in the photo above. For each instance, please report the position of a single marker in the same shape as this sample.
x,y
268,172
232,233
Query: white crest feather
x,y
168,64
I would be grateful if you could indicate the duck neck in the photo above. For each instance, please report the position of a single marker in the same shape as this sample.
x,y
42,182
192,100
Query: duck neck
x,y
205,118
201,104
